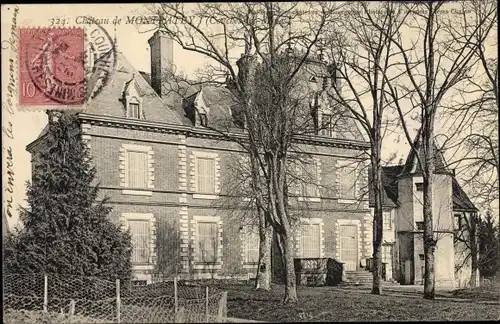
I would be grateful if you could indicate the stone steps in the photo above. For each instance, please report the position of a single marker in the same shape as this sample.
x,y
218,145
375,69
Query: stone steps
x,y
362,277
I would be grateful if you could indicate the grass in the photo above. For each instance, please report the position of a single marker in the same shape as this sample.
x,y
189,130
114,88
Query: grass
x,y
337,304
480,293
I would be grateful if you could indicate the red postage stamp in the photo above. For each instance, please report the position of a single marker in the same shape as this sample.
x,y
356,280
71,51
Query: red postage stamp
x,y
52,66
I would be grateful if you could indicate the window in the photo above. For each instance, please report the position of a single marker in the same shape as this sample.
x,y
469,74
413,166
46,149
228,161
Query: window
x,y
133,110
386,253
251,244
207,241
419,186
139,229
327,128
203,119
348,182
460,222
420,226
387,220
205,174
310,185
310,240
138,170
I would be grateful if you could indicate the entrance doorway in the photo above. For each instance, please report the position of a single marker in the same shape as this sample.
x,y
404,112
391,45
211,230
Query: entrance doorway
x,y
349,247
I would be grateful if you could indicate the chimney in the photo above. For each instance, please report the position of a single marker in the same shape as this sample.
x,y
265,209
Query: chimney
x,y
247,66
162,59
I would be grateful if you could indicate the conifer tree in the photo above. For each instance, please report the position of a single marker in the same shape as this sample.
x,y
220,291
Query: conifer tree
x,y
489,249
66,229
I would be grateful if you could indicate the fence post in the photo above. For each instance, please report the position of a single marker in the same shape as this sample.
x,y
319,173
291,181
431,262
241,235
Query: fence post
x,y
176,296
206,304
222,312
45,293
118,301
71,308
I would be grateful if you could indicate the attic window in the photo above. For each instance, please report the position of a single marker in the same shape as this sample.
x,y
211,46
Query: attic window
x,y
134,110
420,226
419,186
312,79
203,119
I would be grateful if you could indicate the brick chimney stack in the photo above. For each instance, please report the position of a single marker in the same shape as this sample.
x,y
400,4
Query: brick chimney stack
x,y
162,59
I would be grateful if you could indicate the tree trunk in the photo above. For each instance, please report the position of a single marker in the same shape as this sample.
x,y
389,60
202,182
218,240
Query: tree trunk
x,y
263,280
377,226
428,114
290,280
277,183
473,250
429,242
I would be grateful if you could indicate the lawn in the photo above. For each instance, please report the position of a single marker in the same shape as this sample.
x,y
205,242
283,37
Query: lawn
x,y
335,304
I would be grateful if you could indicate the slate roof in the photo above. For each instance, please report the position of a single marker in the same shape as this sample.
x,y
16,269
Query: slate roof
x,y
107,102
412,166
220,102
460,199
390,184
390,175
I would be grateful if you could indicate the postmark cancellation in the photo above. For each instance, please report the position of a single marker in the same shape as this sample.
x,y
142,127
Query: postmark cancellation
x,y
55,64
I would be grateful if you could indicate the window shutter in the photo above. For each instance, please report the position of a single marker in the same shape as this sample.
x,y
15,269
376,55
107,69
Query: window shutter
x,y
387,220
310,241
137,169
139,229
348,182
207,241
206,175
252,245
311,187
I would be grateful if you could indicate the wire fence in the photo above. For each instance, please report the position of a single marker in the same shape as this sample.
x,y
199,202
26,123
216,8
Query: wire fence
x,y
55,298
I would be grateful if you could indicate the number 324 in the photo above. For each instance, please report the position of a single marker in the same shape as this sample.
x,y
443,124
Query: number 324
x,y
58,21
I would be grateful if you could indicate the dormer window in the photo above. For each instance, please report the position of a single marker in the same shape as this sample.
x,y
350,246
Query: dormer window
x,y
132,100
203,119
134,110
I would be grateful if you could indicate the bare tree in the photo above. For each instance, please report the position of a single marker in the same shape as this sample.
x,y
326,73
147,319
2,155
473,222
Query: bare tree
x,y
364,53
434,65
271,112
471,116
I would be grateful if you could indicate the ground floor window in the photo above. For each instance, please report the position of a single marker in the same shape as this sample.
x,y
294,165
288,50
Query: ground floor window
x,y
251,244
310,240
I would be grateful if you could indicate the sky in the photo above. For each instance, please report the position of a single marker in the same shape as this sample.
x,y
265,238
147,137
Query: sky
x,y
26,123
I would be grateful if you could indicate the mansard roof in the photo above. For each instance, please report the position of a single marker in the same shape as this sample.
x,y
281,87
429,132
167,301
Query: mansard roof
x,y
107,102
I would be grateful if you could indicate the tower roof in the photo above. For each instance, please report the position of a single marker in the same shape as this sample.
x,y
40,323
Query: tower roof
x,y
413,167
